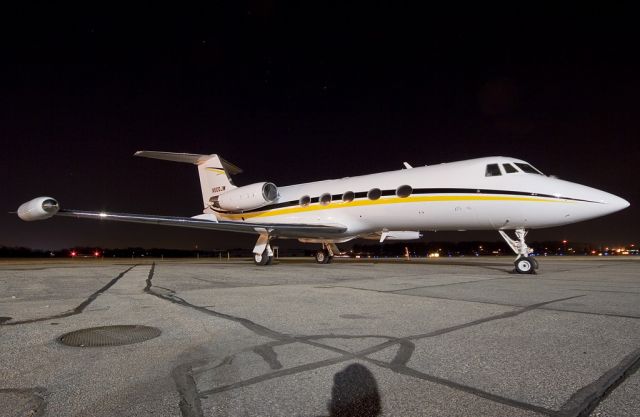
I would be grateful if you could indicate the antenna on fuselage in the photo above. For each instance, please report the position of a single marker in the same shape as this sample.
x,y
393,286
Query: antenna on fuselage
x,y
406,165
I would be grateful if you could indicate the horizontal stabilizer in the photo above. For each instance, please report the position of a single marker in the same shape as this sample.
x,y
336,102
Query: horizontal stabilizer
x,y
189,158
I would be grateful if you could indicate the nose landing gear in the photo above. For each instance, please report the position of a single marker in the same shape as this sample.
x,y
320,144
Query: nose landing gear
x,y
524,264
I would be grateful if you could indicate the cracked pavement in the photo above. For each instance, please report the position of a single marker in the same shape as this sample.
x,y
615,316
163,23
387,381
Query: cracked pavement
x,y
450,337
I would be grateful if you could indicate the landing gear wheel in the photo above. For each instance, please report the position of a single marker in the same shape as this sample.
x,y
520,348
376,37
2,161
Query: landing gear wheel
x,y
524,263
262,259
270,261
322,257
524,266
329,259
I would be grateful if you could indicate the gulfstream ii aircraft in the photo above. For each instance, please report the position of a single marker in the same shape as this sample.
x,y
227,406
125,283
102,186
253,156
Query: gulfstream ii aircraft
x,y
493,193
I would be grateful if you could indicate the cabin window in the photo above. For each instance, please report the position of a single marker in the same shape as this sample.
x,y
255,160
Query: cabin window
x,y
493,170
305,200
528,168
325,199
404,191
348,197
509,169
374,194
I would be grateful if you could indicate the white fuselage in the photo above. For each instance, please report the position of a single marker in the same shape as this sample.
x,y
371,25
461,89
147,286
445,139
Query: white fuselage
x,y
493,193
451,196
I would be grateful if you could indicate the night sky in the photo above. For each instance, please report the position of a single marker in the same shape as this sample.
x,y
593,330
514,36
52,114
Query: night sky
x,y
301,93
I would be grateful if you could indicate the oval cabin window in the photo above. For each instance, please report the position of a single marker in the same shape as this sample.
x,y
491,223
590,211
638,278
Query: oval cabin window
x,y
305,200
348,197
404,191
374,194
325,199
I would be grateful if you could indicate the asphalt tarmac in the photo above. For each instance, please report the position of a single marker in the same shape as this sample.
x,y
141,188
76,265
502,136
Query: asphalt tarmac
x,y
445,337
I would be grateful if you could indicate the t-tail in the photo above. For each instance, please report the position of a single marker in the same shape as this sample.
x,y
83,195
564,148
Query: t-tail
x,y
214,172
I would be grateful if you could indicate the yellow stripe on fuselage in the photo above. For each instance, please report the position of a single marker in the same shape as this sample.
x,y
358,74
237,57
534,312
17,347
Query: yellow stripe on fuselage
x,y
393,200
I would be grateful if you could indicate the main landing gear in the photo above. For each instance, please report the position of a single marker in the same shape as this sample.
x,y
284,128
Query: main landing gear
x,y
524,264
263,258
262,253
325,255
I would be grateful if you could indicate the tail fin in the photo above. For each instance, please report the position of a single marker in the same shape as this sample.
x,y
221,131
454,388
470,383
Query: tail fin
x,y
214,171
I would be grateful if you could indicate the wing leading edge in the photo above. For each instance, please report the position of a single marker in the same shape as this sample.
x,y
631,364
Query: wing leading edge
x,y
274,229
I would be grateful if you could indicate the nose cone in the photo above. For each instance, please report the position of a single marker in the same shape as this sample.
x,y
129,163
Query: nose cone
x,y
598,202
609,203
587,202
616,203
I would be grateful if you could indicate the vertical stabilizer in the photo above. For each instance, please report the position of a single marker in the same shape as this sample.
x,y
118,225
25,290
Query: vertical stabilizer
x,y
214,178
214,172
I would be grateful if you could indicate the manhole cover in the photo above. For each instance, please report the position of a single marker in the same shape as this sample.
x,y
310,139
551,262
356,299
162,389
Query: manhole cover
x,y
109,336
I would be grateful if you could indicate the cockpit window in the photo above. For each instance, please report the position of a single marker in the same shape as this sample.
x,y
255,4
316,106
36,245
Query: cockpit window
x,y
509,169
528,168
492,170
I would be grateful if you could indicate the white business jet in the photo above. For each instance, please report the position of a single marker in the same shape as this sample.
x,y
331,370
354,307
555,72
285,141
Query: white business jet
x,y
494,193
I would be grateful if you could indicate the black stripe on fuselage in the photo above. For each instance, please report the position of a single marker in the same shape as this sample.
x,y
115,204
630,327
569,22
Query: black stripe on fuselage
x,y
419,191
499,192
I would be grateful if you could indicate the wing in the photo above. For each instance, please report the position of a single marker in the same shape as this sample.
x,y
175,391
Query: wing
x,y
209,222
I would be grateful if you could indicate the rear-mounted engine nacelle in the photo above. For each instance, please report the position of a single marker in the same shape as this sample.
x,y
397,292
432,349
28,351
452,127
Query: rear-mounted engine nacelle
x,y
38,209
248,197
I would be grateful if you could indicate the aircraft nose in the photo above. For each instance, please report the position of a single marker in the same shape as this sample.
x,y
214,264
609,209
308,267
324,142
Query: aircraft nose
x,y
597,202
617,203
611,203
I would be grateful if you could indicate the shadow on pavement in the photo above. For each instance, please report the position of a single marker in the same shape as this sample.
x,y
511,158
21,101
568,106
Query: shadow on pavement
x,y
354,393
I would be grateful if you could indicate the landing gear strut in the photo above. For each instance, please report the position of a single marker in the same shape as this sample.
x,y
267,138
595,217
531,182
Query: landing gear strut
x,y
262,253
524,264
325,255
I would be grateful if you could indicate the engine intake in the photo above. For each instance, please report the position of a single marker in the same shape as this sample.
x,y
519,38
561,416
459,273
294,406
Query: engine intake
x,y
248,197
40,208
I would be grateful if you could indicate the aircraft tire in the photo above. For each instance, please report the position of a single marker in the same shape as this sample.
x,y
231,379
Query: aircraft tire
x,y
534,261
524,266
329,259
322,257
261,260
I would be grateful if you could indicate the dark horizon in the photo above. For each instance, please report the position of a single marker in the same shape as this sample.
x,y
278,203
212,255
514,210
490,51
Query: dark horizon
x,y
300,93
